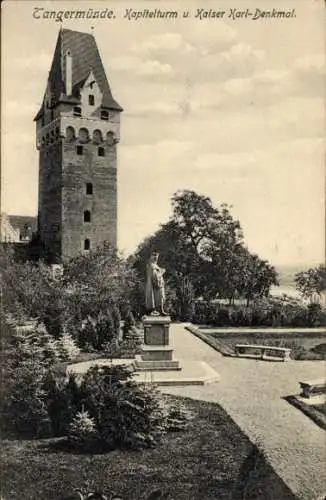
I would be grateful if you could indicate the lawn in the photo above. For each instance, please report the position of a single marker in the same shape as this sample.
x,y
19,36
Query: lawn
x,y
212,459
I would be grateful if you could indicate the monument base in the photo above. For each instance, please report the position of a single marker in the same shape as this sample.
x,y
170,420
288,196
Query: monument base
x,y
156,353
156,329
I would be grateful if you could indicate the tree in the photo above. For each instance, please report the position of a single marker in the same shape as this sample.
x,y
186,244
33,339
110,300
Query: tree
x,y
311,282
97,282
202,249
30,291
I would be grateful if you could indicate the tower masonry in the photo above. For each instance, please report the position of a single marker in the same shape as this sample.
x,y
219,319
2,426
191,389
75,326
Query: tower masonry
x,y
77,130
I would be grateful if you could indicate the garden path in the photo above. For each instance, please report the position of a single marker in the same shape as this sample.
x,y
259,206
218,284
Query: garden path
x,y
252,393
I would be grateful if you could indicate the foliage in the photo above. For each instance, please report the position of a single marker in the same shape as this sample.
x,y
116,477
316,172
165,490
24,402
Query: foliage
x,y
268,311
125,348
177,415
96,332
82,432
311,282
28,359
31,291
90,286
67,348
126,414
116,318
129,323
201,247
63,401
24,409
95,283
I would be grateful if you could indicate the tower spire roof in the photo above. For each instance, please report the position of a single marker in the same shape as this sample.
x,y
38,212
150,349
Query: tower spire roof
x,y
85,55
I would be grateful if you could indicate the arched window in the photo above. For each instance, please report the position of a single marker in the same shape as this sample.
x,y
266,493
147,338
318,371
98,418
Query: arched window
x,y
97,136
89,188
83,135
87,244
70,133
87,216
77,111
91,100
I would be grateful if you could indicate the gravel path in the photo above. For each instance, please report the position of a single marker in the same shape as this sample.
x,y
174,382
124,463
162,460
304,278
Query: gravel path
x,y
252,392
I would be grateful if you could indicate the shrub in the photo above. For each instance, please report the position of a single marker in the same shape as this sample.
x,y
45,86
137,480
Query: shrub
x,y
116,319
126,414
268,311
63,401
67,348
126,348
82,432
129,323
24,410
97,331
176,415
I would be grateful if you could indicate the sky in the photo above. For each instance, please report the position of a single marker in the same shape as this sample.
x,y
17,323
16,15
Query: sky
x,y
231,108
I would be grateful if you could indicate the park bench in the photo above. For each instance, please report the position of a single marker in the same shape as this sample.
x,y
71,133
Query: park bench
x,y
313,387
265,352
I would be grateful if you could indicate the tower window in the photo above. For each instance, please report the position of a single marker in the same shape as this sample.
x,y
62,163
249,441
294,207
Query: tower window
x,y
89,188
79,149
87,216
87,244
91,100
104,115
77,111
101,152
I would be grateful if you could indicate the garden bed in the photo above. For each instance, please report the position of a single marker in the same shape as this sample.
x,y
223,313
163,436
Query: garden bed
x,y
211,459
304,345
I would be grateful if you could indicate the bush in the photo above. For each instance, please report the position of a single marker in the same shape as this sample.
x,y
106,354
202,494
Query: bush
x,y
126,348
63,401
24,410
82,432
176,415
129,323
268,311
126,414
116,319
67,348
27,359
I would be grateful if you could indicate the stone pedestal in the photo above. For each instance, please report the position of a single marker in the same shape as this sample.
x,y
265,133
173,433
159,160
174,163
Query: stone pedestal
x,y
156,353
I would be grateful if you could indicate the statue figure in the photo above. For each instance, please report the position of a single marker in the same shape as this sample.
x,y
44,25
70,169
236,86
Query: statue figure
x,y
155,293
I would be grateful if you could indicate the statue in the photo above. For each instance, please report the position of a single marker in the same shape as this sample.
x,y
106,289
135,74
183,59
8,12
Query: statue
x,y
155,293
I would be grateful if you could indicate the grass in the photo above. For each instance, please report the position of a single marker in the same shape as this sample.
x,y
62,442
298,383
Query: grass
x,y
302,346
212,459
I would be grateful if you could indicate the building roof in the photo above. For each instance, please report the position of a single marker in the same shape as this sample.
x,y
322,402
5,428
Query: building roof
x,y
85,57
23,222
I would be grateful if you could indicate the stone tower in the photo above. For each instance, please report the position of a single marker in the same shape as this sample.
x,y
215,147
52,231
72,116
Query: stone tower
x,y
77,131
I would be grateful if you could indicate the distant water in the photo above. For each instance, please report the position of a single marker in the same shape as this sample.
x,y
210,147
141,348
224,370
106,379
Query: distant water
x,y
277,291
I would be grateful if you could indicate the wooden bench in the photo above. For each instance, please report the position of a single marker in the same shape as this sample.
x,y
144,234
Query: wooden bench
x,y
313,387
265,352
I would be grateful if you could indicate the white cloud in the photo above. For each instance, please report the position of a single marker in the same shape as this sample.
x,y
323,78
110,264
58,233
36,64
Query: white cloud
x,y
38,62
312,63
162,43
139,67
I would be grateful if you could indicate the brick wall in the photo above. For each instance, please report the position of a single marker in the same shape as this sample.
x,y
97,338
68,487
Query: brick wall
x,y
77,171
50,182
